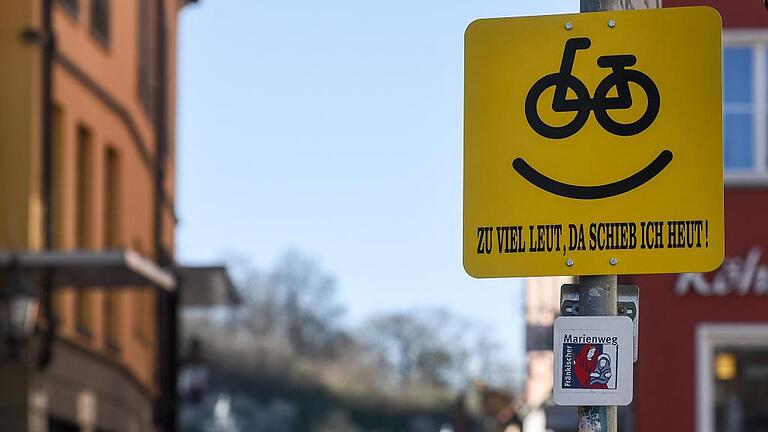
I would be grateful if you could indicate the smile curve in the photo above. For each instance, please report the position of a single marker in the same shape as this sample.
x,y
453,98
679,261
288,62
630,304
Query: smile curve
x,y
593,192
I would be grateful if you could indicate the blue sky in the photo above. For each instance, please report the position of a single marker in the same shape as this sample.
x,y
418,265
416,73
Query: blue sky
x,y
335,128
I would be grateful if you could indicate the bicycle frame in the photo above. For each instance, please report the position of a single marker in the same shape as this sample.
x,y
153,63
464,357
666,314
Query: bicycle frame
x,y
617,63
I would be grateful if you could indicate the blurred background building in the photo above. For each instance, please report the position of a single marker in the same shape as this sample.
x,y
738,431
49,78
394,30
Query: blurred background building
x,y
87,103
703,360
542,300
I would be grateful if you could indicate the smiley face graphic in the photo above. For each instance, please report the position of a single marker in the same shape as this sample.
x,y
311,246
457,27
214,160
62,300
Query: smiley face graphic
x,y
563,81
593,192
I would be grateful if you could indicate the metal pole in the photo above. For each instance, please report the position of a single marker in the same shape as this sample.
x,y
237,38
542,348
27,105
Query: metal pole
x,y
597,297
597,294
609,5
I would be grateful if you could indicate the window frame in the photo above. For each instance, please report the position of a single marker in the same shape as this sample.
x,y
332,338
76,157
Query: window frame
x,y
708,337
112,319
757,40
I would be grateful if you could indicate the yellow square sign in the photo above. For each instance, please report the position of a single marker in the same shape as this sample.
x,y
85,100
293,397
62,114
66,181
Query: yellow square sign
x,y
593,144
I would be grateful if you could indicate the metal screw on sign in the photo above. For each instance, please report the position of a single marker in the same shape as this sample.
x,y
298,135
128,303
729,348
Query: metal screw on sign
x,y
613,261
569,26
611,23
569,262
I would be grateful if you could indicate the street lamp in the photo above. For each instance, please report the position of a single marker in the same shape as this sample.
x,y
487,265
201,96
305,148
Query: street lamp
x,y
18,311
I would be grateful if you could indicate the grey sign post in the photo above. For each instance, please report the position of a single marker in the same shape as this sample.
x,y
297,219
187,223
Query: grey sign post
x,y
597,294
597,297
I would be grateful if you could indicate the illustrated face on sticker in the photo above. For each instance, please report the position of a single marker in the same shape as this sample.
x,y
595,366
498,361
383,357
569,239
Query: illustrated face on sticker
x,y
617,81
602,373
589,366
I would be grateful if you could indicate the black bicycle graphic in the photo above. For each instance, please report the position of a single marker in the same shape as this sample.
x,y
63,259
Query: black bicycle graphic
x,y
620,77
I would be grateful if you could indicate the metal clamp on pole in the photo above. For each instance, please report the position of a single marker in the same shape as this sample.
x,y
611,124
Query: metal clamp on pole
x,y
627,304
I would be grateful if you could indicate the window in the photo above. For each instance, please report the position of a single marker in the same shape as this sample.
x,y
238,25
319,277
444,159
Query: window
x,y
143,309
71,6
112,318
111,224
84,190
143,316
745,106
83,223
100,20
58,197
732,377
112,199
738,108
148,312
137,302
146,32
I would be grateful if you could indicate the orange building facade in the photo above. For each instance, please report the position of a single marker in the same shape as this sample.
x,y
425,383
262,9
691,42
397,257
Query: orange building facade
x,y
87,91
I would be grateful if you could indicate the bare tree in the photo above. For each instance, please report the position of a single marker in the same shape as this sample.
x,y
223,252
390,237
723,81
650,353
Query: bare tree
x,y
398,338
295,300
436,348
311,312
421,346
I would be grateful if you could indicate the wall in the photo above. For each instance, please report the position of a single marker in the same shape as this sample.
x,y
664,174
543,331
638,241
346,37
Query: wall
x,y
665,372
735,13
20,74
96,86
542,303
665,386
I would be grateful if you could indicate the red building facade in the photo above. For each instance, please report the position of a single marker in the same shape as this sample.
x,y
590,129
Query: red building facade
x,y
703,362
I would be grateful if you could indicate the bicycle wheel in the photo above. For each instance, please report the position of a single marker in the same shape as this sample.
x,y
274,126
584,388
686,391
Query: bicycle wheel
x,y
532,113
641,124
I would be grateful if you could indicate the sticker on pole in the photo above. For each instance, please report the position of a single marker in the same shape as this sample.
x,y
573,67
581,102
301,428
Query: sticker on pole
x,y
593,361
593,144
